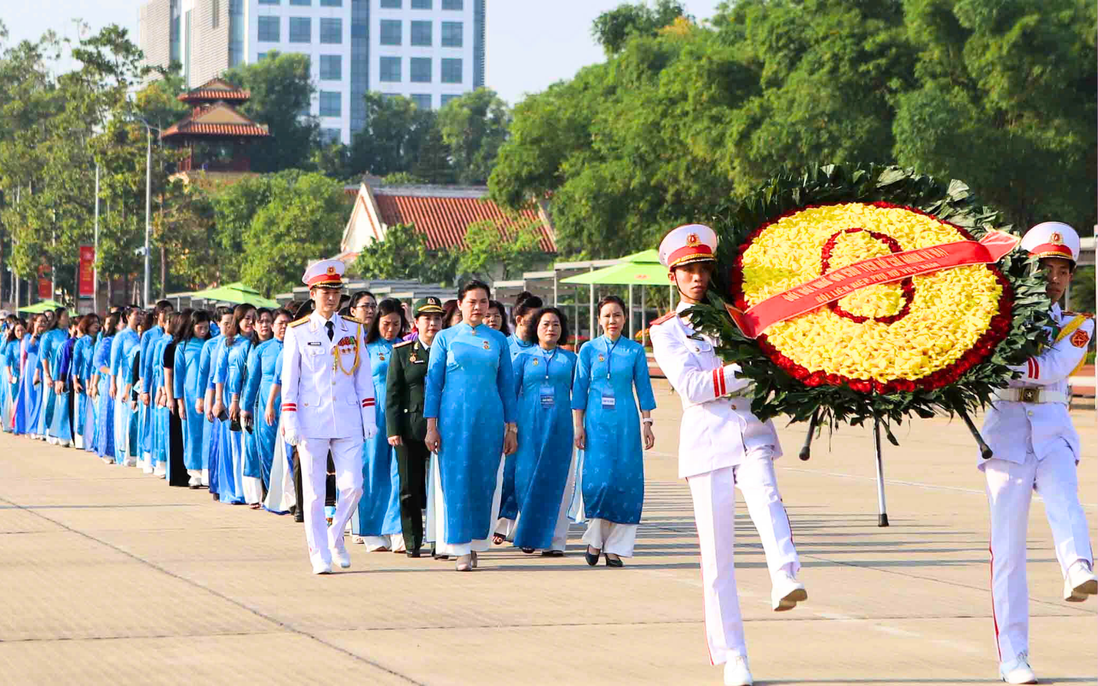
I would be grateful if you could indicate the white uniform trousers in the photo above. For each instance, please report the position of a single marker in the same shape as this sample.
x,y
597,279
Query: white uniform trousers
x,y
347,457
1010,489
714,498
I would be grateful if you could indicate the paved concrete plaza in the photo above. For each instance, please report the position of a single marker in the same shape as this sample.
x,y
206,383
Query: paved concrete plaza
x,y
111,576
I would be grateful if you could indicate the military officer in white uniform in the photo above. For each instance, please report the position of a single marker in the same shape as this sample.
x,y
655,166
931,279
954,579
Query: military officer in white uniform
x,y
327,405
722,446
1036,448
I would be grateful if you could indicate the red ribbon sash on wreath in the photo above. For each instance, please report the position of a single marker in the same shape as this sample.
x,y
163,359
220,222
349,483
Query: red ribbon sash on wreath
x,y
841,282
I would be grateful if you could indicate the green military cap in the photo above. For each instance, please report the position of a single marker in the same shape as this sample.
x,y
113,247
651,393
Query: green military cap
x,y
428,305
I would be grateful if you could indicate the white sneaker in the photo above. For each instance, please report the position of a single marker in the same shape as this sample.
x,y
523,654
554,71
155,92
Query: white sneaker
x,y
1017,671
322,567
787,592
736,672
341,557
1080,582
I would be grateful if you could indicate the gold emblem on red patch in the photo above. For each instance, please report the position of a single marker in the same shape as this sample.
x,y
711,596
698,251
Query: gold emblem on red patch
x,y
692,239
381,357
1056,239
1080,339
535,362
601,358
486,346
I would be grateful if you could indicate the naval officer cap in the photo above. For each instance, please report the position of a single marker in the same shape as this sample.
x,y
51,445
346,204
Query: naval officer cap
x,y
1052,239
428,305
686,244
324,274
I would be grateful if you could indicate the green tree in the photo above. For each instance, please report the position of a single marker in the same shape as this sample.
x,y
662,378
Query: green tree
x,y
404,255
235,207
393,137
490,253
281,91
302,221
474,127
614,28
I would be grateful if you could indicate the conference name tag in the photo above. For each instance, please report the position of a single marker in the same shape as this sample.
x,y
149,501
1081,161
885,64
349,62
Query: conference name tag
x,y
547,396
608,401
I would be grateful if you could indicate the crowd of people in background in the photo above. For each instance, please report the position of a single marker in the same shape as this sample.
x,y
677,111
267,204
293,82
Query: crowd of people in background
x,y
193,398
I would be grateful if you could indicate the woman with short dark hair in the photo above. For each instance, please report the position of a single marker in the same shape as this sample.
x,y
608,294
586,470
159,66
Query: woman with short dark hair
x,y
12,360
376,522
451,313
80,374
470,411
120,370
101,382
609,431
363,307
187,390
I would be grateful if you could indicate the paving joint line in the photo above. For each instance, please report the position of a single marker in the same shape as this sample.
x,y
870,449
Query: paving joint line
x,y
222,596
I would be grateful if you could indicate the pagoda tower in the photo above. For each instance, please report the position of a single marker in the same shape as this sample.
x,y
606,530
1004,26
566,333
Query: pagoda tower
x,y
215,136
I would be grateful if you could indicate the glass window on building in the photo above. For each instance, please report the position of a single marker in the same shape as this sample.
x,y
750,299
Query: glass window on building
x,y
301,3
422,100
268,2
268,30
421,33
453,5
331,104
390,32
301,29
330,136
420,69
447,98
331,67
452,34
451,70
331,3
260,57
422,4
390,4
331,31
389,69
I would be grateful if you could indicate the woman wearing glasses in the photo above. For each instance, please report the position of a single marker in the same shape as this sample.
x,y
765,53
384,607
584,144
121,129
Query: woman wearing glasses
x,y
363,307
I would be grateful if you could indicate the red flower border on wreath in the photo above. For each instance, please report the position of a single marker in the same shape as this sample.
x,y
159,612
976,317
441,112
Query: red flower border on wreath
x,y
997,329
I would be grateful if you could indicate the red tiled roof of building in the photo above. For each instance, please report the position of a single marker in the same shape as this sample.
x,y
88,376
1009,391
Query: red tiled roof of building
x,y
190,127
444,220
212,94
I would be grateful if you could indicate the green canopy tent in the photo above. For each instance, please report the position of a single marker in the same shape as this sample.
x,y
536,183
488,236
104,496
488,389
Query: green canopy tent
x,y
234,293
639,269
39,307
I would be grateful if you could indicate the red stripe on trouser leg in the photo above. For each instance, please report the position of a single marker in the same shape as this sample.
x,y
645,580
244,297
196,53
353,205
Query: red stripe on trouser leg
x,y
994,619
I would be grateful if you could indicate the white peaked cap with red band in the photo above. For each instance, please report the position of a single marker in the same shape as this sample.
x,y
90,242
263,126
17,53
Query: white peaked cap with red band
x,y
324,274
689,243
1052,239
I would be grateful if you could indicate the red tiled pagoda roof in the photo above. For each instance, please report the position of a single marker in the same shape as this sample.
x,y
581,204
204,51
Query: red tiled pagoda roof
x,y
213,95
444,220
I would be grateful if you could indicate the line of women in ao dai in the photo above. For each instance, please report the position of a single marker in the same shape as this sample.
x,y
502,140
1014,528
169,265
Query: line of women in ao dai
x,y
121,353
189,389
246,463
259,380
377,519
105,405
612,472
470,391
81,363
543,462
61,367
30,392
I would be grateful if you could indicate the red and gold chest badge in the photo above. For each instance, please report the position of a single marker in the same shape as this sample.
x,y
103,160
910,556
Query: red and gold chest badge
x,y
381,357
487,346
1080,339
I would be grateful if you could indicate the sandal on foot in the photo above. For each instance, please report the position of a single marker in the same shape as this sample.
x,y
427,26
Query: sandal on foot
x,y
592,558
552,553
498,539
464,563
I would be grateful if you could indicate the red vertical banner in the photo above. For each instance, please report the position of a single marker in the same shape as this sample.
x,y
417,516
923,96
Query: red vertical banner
x,y
45,286
86,280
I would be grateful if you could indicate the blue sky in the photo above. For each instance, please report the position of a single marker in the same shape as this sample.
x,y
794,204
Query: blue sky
x,y
531,43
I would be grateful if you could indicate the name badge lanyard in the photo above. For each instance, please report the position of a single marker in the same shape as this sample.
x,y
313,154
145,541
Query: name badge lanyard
x,y
608,400
610,356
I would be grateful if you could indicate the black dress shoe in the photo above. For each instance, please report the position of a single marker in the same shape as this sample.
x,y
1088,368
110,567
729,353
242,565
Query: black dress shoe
x,y
299,518
610,562
592,559
553,553
528,551
414,552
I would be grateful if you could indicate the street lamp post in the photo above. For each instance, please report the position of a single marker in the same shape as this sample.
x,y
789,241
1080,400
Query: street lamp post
x,y
95,262
148,199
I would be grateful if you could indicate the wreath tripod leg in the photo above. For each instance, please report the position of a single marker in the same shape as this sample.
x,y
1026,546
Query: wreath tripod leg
x,y
882,510
806,450
985,451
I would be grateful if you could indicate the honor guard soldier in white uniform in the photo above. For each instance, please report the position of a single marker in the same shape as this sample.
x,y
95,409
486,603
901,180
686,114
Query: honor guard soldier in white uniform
x,y
327,405
1036,448
722,446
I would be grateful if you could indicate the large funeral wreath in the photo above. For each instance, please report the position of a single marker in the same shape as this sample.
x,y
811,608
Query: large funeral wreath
x,y
942,340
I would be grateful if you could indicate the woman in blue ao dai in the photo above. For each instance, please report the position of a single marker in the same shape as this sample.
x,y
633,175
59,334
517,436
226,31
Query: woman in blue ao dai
x,y
57,331
13,370
10,359
6,387
130,377
503,526
246,472
230,488
61,369
88,375
470,411
543,463
188,394
376,522
30,382
281,495
211,430
101,381
84,416
253,460
124,343
259,379
609,431
157,426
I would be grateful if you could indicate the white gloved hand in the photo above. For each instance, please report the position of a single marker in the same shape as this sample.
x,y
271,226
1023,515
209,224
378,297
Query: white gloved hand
x,y
369,429
289,434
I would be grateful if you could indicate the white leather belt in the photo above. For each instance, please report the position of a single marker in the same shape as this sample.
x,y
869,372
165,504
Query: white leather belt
x,y
1031,395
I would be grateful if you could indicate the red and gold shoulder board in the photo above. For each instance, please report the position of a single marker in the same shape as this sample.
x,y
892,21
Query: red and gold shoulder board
x,y
299,322
664,318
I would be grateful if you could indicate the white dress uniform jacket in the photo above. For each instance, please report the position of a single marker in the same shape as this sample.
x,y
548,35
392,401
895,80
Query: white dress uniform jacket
x,y
717,431
1013,427
324,395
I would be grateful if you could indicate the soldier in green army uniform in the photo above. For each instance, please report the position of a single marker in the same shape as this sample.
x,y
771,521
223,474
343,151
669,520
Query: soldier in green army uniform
x,y
404,391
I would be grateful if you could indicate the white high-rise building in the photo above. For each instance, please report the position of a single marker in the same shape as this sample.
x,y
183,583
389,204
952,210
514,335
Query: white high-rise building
x,y
428,50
